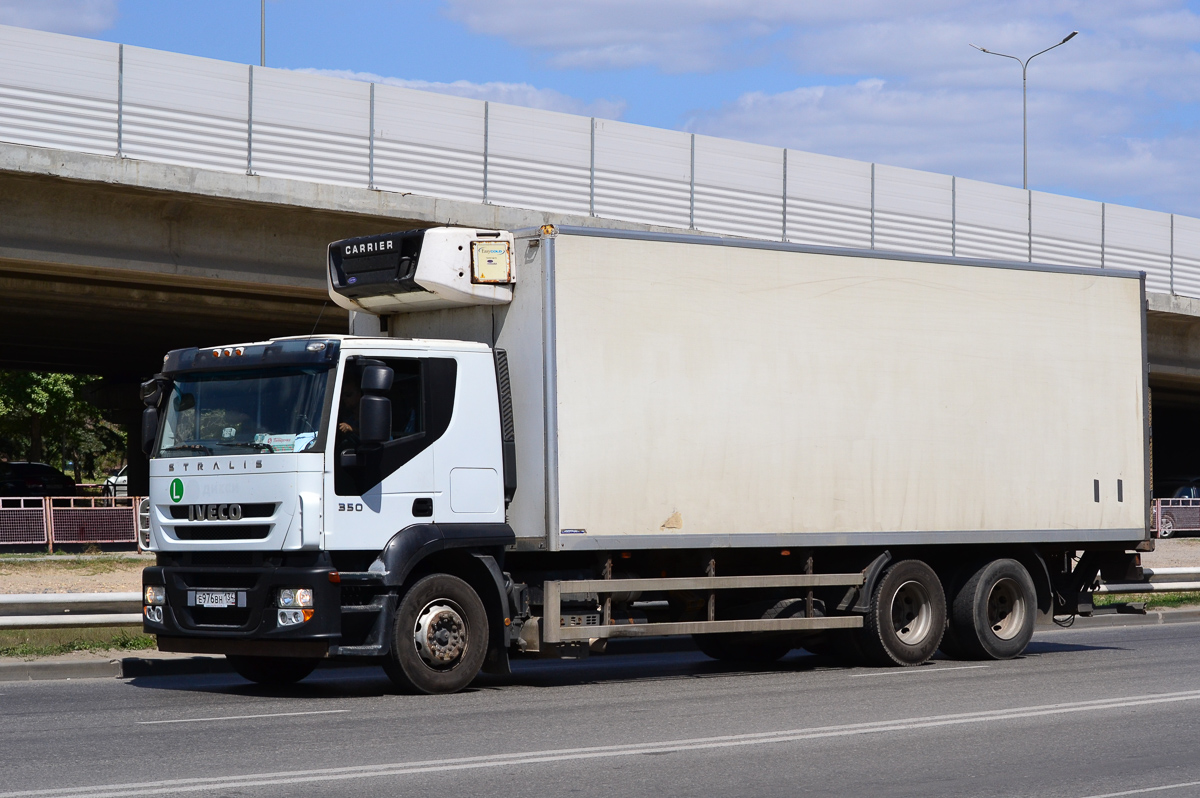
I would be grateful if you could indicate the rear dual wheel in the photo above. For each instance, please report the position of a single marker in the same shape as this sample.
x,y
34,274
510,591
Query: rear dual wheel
x,y
992,614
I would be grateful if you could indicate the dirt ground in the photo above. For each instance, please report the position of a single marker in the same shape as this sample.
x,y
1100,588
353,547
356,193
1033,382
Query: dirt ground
x,y
123,574
118,574
1173,553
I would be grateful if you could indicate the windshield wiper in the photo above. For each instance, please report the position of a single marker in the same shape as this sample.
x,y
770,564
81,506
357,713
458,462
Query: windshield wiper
x,y
197,447
260,446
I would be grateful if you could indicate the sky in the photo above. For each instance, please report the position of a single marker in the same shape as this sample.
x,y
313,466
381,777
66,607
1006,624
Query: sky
x,y
1113,114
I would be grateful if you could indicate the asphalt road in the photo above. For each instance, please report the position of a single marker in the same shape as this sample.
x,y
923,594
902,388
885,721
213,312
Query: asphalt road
x,y
1087,712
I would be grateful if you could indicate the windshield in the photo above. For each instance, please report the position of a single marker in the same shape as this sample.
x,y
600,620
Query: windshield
x,y
269,410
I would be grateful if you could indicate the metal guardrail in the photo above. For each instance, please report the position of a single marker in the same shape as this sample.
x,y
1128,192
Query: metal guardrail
x,y
1158,580
41,610
50,520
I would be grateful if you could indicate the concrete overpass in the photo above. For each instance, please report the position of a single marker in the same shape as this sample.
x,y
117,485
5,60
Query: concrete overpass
x,y
106,263
151,200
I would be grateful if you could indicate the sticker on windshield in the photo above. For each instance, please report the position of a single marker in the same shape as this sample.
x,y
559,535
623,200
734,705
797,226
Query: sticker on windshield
x,y
177,490
278,443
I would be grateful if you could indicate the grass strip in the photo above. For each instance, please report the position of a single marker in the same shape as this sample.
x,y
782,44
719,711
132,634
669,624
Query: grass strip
x,y
123,641
1154,601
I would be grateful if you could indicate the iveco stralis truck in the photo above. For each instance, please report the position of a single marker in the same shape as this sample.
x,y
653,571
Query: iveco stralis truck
x,y
544,439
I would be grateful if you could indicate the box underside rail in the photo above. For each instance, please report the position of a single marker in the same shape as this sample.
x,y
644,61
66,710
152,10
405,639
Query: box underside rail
x,y
555,632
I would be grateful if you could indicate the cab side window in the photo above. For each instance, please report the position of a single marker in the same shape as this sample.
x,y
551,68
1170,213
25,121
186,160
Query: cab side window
x,y
422,398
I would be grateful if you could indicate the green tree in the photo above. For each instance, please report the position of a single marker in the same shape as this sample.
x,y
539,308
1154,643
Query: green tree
x,y
44,417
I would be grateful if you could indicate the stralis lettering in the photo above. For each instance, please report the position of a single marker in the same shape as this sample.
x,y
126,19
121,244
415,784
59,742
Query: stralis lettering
x,y
369,248
230,465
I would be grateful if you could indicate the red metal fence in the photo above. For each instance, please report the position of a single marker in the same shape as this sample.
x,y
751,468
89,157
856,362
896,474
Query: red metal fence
x,y
68,519
1172,516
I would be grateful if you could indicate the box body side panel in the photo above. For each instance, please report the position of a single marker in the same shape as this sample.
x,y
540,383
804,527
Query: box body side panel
x,y
708,396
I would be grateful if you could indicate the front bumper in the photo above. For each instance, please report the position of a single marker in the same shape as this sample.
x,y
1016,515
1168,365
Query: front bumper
x,y
251,624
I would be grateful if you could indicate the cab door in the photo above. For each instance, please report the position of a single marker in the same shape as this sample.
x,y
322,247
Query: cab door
x,y
391,486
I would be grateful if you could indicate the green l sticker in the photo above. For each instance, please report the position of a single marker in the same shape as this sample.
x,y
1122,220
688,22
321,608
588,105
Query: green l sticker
x,y
177,490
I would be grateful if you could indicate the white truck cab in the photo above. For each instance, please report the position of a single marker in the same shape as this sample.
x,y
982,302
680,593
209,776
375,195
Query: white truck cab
x,y
259,442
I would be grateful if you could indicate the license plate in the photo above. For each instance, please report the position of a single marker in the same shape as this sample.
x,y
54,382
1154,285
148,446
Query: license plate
x,y
210,599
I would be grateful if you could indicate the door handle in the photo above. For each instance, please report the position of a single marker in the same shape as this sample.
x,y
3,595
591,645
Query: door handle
x,y
422,508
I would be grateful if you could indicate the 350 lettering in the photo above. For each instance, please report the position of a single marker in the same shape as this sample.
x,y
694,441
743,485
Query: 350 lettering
x,y
349,507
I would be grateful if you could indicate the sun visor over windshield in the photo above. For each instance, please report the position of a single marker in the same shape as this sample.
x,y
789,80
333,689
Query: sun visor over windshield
x,y
299,352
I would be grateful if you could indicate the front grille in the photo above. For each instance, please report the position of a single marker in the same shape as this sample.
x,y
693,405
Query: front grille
x,y
212,616
257,510
221,558
202,580
222,532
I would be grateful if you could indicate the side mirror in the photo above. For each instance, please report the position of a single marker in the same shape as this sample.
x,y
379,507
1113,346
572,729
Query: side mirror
x,y
377,379
153,391
149,429
375,419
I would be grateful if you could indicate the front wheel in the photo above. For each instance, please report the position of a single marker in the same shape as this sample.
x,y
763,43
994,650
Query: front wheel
x,y
272,670
440,636
907,616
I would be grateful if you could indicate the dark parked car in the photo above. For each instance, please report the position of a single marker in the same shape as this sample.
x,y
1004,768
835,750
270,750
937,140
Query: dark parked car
x,y
34,479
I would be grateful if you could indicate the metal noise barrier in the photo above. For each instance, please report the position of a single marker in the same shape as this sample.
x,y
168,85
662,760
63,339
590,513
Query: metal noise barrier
x,y
88,96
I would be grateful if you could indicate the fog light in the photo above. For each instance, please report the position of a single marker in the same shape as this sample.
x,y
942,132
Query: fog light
x,y
291,617
156,595
295,597
153,614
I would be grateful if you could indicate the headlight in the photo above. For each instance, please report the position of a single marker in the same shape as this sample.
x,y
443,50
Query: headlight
x,y
156,595
290,597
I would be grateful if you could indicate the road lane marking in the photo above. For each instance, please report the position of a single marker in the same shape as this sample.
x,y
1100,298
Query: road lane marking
x,y
282,778
908,671
1144,790
244,717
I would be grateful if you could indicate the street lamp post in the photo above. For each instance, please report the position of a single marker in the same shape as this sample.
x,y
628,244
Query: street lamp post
x,y
1024,97
262,32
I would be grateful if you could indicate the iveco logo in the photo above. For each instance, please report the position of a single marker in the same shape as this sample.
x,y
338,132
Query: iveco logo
x,y
214,512
368,248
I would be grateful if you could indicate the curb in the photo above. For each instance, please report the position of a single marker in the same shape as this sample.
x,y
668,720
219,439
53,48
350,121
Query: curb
x,y
35,670
124,668
1152,618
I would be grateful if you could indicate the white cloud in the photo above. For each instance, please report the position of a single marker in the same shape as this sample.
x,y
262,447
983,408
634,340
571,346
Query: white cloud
x,y
1111,113
510,93
60,16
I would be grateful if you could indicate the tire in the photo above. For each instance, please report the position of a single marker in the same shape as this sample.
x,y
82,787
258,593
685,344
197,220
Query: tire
x,y
907,616
440,637
755,647
1166,527
272,670
993,613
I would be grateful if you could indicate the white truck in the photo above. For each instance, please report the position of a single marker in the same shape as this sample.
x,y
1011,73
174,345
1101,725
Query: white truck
x,y
554,437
